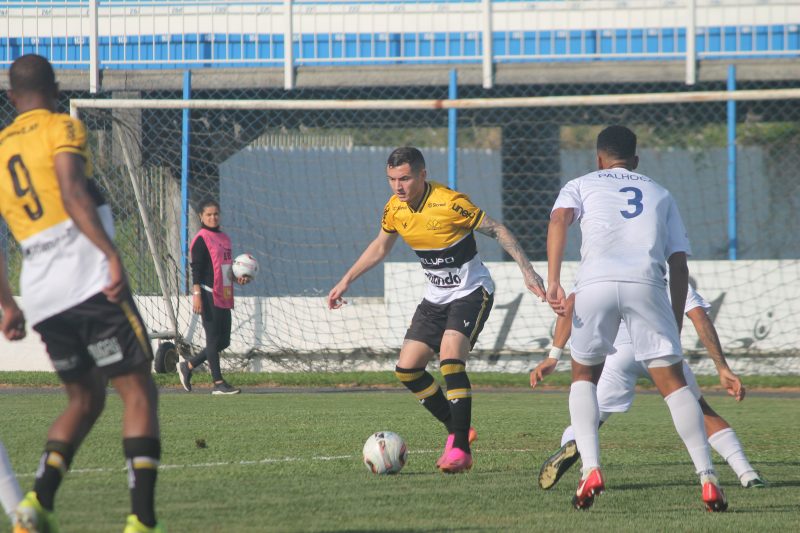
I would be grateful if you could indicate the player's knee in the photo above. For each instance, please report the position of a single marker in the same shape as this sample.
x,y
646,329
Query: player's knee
x,y
89,402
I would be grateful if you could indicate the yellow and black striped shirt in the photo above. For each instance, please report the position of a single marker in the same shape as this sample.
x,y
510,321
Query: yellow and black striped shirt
x,y
440,231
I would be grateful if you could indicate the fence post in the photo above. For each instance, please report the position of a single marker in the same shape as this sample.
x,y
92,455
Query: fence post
x,y
452,134
488,55
691,42
187,95
94,61
288,45
733,238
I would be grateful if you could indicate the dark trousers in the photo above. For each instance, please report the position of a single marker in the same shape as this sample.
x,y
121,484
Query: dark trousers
x,y
217,325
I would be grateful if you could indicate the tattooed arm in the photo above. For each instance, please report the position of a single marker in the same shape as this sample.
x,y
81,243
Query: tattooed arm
x,y
707,334
499,232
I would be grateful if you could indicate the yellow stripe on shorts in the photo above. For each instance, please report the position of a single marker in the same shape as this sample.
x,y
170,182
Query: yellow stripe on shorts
x,y
428,392
480,316
456,394
136,326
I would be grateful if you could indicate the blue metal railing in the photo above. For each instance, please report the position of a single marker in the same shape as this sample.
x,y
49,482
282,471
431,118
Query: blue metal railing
x,y
156,34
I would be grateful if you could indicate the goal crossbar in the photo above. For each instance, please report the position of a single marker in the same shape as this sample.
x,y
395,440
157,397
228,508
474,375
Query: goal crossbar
x,y
434,104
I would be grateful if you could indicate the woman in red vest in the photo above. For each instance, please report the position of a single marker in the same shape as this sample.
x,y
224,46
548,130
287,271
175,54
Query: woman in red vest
x,y
212,295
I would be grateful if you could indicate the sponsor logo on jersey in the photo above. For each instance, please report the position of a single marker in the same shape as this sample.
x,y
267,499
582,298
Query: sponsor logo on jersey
x,y
68,235
435,204
433,225
463,212
450,281
437,261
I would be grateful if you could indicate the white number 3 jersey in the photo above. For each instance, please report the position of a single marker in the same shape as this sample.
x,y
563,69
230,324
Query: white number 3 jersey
x,y
630,225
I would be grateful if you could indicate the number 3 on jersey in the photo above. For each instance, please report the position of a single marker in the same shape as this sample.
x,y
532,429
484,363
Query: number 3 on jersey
x,y
635,202
19,171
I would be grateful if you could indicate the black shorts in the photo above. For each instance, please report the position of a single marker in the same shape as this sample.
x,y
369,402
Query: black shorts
x,y
466,315
96,333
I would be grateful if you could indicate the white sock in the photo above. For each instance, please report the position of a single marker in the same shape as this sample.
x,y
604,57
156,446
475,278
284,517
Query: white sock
x,y
10,494
568,435
688,419
585,415
727,444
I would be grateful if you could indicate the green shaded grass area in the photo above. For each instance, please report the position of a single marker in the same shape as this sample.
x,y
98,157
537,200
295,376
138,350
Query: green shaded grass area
x,y
292,462
375,379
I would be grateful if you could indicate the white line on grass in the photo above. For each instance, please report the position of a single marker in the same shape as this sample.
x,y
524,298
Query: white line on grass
x,y
264,461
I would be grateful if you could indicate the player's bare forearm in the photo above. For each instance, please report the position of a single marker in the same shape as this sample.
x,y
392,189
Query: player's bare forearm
x,y
564,325
560,221
678,285
376,252
12,320
79,204
707,334
499,232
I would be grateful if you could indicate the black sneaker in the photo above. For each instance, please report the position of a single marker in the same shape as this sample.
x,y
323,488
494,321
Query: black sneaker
x,y
224,388
557,464
185,373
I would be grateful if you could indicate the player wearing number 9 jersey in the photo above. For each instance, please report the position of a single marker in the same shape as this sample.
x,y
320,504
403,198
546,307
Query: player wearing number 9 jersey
x,y
631,230
75,294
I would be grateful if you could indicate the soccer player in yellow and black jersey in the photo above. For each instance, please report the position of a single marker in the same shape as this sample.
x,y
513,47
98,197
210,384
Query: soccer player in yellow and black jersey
x,y
75,294
439,223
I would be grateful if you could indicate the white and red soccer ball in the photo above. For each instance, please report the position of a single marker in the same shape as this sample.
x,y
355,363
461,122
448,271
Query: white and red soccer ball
x,y
385,452
245,265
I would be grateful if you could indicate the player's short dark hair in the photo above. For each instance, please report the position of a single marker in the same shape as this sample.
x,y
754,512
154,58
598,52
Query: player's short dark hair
x,y
207,202
617,141
407,154
32,73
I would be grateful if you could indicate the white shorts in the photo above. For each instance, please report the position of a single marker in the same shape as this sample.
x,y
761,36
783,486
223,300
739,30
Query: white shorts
x,y
617,385
647,313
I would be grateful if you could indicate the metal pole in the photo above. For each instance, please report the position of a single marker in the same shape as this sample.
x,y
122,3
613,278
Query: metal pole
x,y
94,61
288,46
733,242
691,42
452,134
488,56
187,95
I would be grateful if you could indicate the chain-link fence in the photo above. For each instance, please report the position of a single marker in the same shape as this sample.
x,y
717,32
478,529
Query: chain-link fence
x,y
303,191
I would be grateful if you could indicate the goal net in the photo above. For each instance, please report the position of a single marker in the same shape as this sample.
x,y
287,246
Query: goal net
x,y
302,186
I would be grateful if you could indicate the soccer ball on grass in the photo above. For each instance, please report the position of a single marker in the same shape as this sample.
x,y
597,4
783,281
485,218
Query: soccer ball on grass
x,y
385,452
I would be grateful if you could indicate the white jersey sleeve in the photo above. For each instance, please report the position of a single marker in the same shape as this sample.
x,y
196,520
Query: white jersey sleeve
x,y
569,197
693,300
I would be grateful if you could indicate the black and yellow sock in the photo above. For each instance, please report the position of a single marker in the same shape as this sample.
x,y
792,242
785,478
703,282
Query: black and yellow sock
x,y
53,467
459,394
142,455
427,391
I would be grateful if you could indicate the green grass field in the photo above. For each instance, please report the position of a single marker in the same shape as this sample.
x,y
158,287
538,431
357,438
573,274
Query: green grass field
x,y
292,462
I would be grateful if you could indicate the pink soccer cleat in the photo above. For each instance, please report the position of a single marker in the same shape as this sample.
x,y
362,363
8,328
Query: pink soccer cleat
x,y
473,436
455,461
589,486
